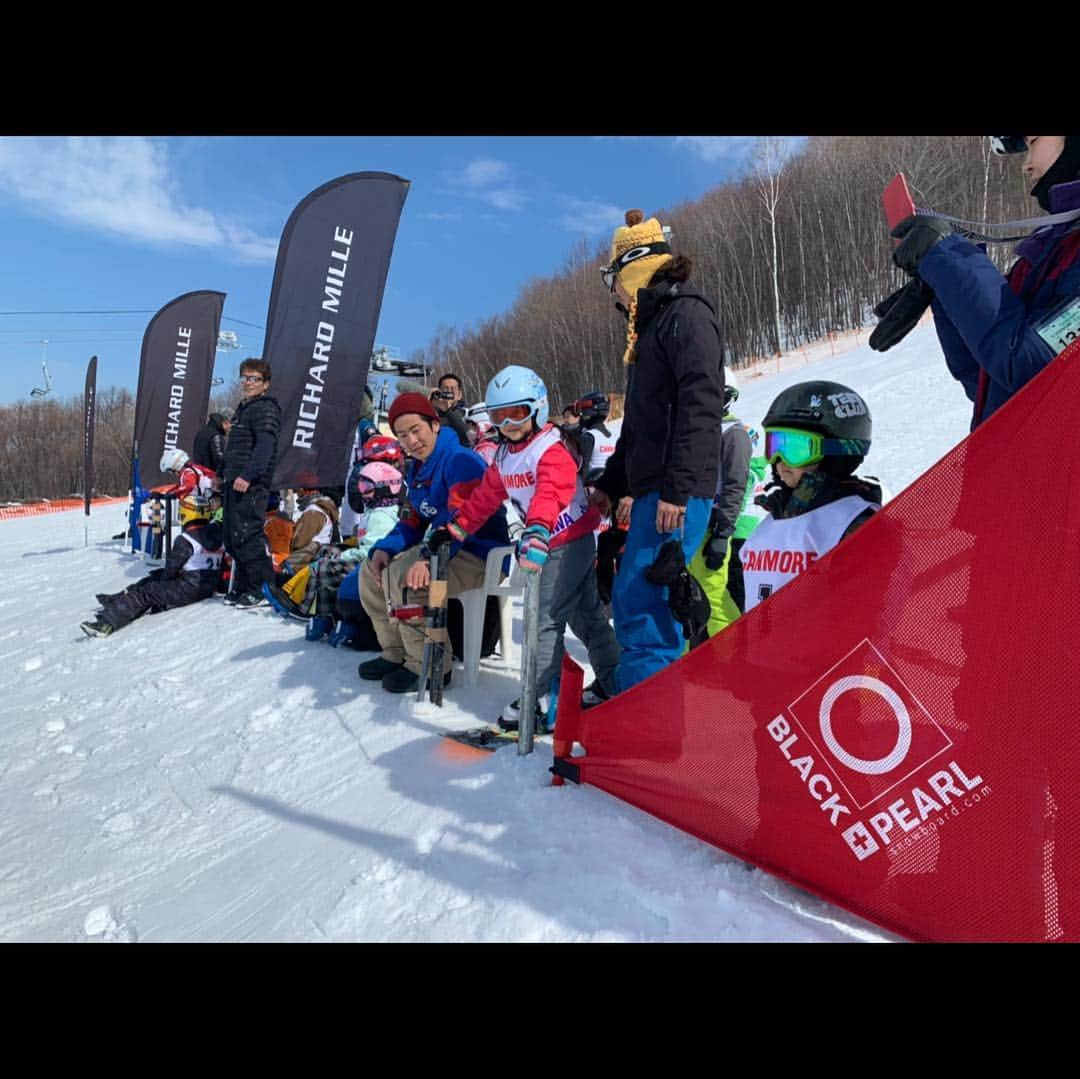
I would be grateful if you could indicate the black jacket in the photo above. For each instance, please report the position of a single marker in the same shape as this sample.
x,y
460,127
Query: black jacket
x,y
209,448
252,451
670,440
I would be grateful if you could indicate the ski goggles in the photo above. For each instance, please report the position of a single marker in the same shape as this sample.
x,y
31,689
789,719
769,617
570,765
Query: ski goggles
x,y
800,449
502,415
610,274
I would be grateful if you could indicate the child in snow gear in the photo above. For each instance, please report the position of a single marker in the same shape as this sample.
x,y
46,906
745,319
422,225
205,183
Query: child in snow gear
x,y
713,563
536,472
316,528
816,435
997,334
376,493
190,573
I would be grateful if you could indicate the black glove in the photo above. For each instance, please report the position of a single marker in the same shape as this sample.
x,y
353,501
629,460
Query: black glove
x,y
715,551
918,234
438,538
899,313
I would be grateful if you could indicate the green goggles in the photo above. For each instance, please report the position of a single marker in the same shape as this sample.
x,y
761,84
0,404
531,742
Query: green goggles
x,y
800,449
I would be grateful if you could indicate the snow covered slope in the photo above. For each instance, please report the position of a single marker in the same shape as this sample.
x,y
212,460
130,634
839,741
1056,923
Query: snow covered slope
x,y
206,774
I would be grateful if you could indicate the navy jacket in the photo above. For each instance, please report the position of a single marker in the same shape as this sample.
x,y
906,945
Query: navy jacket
x,y
437,487
985,321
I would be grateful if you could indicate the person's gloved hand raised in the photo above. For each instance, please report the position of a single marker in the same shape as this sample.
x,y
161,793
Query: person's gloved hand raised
x,y
917,235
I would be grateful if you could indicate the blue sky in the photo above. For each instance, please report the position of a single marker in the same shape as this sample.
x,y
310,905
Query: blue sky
x,y
128,223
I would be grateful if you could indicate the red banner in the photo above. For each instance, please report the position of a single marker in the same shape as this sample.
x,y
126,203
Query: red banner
x,y
896,730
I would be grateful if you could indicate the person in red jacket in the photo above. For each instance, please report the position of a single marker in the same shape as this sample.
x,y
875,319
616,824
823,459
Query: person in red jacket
x,y
536,472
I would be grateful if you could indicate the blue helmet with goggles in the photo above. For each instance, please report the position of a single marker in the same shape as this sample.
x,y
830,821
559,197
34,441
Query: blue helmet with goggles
x,y
514,386
818,423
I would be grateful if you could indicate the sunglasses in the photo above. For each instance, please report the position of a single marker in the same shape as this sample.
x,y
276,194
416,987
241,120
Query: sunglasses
x,y
509,414
800,449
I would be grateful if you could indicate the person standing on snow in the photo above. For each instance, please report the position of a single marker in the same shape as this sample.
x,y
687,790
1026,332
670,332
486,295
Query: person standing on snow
x,y
208,449
997,333
668,452
536,471
250,456
712,564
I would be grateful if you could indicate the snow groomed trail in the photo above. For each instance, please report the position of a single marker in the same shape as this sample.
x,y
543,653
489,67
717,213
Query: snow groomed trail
x,y
208,775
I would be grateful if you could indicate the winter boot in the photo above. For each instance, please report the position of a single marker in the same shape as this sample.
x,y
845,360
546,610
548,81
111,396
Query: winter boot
x,y
375,670
510,719
593,694
98,628
404,681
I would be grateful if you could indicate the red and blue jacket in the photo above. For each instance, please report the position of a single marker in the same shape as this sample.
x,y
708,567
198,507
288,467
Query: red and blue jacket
x,y
985,321
438,487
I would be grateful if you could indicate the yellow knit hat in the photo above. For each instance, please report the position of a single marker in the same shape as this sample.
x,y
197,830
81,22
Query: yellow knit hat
x,y
638,250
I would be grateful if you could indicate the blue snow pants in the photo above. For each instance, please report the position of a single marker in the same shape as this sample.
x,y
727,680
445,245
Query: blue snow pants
x,y
644,626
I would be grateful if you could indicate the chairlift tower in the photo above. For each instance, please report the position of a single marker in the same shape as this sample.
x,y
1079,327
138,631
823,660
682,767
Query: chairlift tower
x,y
227,341
39,391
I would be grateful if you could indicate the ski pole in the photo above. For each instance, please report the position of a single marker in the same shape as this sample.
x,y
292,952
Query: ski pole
x,y
529,631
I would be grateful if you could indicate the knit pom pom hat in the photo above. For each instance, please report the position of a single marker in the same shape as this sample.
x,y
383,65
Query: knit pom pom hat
x,y
638,249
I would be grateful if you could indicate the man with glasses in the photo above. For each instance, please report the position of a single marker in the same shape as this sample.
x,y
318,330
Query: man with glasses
x,y
250,456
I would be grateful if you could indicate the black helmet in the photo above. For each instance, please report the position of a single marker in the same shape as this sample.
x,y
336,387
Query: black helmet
x,y
593,408
830,409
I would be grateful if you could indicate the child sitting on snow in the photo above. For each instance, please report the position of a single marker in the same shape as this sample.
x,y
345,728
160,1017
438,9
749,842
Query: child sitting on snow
x,y
190,573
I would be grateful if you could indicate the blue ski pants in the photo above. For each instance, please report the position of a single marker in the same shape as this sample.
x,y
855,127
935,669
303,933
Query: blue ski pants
x,y
648,633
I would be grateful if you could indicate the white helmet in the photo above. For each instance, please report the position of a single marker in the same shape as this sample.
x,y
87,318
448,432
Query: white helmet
x,y
173,460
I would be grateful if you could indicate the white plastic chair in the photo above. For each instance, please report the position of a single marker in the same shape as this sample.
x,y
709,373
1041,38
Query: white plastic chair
x,y
474,602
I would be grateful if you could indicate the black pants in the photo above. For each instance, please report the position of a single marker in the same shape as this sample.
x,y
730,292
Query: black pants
x,y
736,588
153,594
245,540
608,545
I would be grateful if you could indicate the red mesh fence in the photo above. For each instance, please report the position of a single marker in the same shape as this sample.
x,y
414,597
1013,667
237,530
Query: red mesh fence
x,y
897,729
32,509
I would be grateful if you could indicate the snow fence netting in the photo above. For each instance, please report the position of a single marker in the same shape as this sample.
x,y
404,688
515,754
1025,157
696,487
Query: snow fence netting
x,y
897,730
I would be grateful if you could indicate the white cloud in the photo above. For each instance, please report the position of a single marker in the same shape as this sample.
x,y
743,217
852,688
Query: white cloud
x,y
484,171
122,187
478,179
590,217
442,217
713,148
